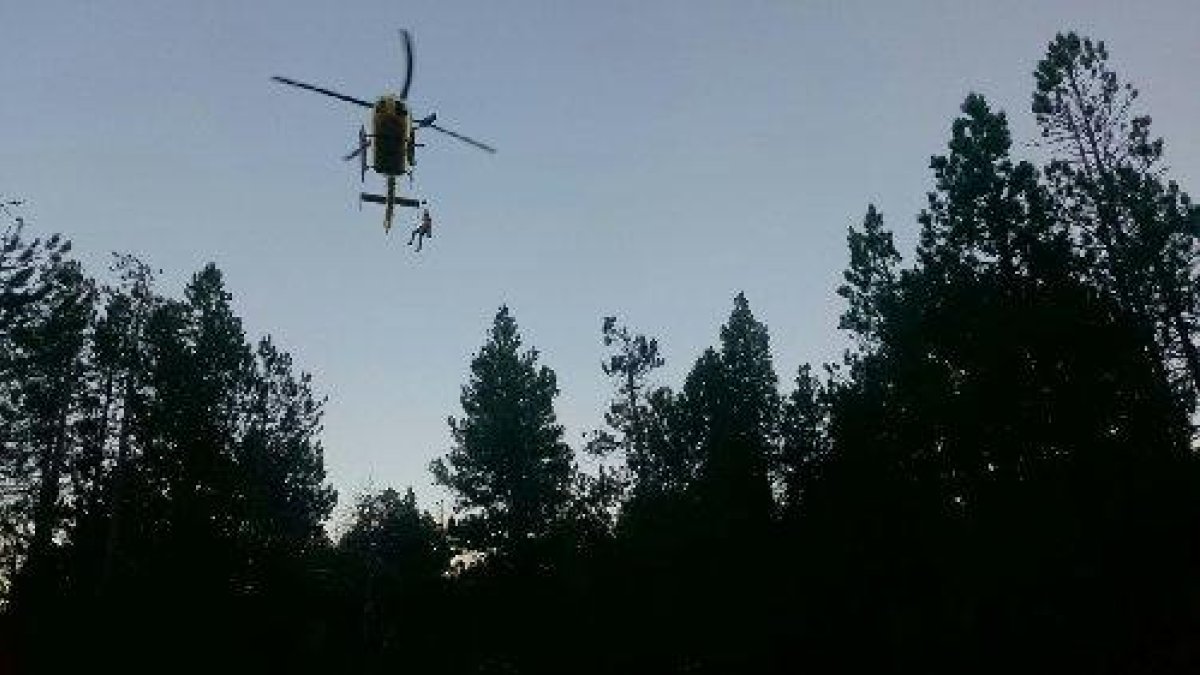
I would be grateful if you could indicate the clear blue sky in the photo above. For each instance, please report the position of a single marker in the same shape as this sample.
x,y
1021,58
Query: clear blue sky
x,y
655,158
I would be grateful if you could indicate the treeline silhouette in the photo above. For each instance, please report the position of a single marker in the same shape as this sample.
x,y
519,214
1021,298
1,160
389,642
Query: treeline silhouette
x,y
999,475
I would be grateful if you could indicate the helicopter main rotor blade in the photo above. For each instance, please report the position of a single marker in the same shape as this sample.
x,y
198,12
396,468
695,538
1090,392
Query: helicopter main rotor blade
x,y
464,139
408,63
322,90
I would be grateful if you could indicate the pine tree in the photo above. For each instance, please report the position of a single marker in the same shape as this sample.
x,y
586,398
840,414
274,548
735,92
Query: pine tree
x,y
396,555
122,360
630,419
634,357
869,280
964,381
218,469
214,490
734,398
391,534
25,283
509,467
803,442
209,373
988,216
282,497
54,346
1137,230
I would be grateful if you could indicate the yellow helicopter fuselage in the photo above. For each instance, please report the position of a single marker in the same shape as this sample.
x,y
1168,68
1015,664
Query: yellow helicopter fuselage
x,y
393,146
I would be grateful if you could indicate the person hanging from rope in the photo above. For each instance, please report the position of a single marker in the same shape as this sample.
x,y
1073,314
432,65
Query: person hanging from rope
x,y
424,229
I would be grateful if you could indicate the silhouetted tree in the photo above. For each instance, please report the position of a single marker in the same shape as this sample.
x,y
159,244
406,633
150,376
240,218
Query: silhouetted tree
x,y
734,395
283,497
198,459
509,468
997,381
803,441
1137,230
870,279
396,557
635,421
51,370
25,281
121,361
634,357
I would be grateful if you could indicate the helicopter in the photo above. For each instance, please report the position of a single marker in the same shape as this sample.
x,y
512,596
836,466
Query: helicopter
x,y
392,140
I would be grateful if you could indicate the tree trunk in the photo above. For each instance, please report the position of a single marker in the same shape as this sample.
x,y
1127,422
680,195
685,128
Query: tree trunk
x,y
50,461
118,490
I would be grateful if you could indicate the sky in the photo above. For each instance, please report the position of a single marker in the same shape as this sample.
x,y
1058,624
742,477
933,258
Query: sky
x,y
655,158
